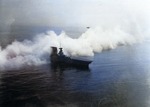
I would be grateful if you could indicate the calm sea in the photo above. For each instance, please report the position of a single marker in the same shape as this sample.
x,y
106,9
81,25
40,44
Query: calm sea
x,y
115,78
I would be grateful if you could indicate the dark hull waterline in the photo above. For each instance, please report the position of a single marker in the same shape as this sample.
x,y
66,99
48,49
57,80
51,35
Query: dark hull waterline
x,y
68,62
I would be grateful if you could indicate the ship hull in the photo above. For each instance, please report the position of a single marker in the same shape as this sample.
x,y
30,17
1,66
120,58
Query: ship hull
x,y
66,61
60,60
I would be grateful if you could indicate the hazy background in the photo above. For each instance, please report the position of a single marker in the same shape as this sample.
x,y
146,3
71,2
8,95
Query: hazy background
x,y
74,13
29,27
119,76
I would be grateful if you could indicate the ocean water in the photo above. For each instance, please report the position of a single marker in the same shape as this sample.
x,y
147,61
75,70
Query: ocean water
x,y
116,78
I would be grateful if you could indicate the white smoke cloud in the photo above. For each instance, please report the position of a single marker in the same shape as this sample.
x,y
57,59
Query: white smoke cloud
x,y
37,52
121,22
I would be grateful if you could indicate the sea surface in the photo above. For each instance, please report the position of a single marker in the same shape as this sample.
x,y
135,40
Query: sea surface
x,y
116,78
